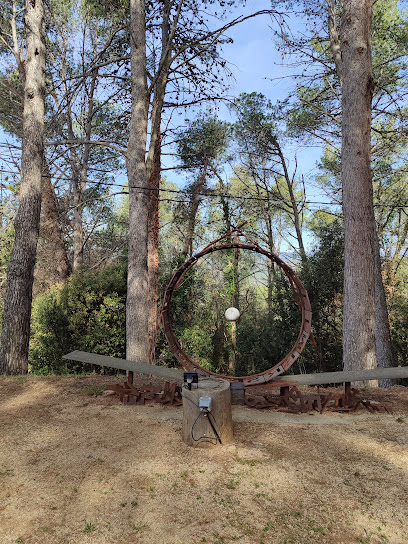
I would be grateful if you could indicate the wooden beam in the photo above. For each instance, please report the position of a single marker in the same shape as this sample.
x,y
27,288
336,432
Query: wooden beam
x,y
123,364
392,373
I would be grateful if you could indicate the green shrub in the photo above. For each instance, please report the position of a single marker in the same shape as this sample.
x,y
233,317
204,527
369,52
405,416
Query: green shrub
x,y
51,337
88,313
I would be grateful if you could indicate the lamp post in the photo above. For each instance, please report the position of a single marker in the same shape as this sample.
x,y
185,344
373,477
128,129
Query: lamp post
x,y
232,314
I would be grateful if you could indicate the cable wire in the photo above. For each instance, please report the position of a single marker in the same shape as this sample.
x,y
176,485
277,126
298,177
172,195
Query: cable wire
x,y
212,194
213,423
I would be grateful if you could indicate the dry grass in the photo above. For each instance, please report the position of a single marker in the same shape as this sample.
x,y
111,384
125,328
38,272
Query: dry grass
x,y
77,468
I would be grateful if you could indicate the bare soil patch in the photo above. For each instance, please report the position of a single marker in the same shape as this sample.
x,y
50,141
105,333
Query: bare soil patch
x,y
77,469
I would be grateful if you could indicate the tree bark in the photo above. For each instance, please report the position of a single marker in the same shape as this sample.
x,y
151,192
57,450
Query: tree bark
x,y
384,351
78,228
195,202
232,365
266,211
137,303
79,165
153,247
50,228
77,187
18,300
154,168
296,218
359,321
334,38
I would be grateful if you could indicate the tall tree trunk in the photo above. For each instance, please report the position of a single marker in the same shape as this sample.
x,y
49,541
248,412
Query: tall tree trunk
x,y
154,168
18,300
143,266
137,303
78,226
50,228
235,303
77,187
78,197
384,351
79,165
359,321
195,202
80,174
153,246
293,203
270,264
334,38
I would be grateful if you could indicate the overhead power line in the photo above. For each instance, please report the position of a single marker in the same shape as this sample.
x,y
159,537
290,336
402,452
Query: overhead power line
x,y
213,194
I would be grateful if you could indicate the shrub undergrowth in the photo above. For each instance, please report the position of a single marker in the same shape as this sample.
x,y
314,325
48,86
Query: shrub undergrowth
x,y
87,313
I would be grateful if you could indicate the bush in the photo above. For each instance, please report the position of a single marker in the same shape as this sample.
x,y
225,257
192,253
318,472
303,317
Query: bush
x,y
265,337
398,310
51,337
323,279
88,313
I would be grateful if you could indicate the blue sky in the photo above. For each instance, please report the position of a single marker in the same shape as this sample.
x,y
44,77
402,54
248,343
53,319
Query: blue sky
x,y
254,57
259,67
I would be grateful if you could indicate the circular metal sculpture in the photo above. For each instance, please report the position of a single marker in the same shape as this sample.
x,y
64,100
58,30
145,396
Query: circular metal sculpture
x,y
299,293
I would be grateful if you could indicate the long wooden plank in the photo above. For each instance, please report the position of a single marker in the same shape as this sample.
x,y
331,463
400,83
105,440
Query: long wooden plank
x,y
322,378
300,379
123,364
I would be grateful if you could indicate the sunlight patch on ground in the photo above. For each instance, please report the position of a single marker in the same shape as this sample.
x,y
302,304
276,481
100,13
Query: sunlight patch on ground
x,y
76,469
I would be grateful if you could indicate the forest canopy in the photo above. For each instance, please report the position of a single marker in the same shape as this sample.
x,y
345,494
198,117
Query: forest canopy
x,y
136,154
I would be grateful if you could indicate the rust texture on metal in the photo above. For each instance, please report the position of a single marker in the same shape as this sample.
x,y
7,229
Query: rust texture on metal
x,y
299,292
291,399
169,393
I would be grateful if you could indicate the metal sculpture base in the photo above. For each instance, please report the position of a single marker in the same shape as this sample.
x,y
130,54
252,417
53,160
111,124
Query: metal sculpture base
x,y
169,393
292,400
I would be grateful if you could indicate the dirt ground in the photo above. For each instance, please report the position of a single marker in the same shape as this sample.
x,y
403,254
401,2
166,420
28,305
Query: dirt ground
x,y
78,467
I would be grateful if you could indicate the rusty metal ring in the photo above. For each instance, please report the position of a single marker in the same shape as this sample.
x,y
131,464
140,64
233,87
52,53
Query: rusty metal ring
x,y
301,299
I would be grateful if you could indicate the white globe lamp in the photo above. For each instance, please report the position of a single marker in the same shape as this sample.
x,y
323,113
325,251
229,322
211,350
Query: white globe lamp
x,y
232,314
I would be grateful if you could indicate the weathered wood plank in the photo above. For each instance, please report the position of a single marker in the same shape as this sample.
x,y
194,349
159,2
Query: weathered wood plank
x,y
322,378
123,364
